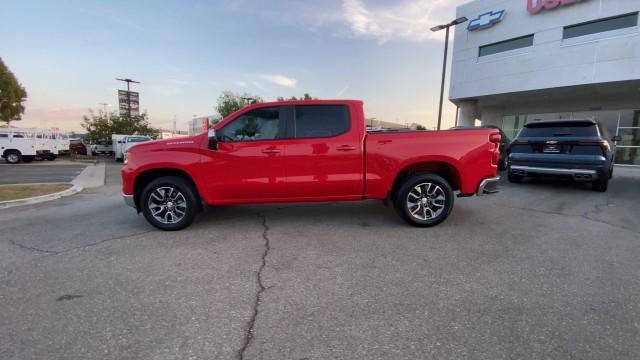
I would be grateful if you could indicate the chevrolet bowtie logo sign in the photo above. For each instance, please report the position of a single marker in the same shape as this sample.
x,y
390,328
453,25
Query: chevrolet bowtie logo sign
x,y
486,20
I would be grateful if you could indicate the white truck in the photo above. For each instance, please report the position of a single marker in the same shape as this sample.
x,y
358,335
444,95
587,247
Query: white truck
x,y
17,146
122,143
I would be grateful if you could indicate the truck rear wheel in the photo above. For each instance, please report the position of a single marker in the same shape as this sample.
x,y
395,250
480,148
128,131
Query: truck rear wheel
x,y
13,156
424,200
169,203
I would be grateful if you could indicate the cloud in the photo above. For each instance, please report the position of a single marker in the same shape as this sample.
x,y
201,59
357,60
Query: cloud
x,y
279,80
169,87
408,20
240,83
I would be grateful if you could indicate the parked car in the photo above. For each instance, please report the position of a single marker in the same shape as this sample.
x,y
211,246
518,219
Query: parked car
x,y
101,149
76,146
574,149
122,143
308,151
504,142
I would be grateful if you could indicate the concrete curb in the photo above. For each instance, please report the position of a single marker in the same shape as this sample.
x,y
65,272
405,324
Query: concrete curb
x,y
91,177
42,198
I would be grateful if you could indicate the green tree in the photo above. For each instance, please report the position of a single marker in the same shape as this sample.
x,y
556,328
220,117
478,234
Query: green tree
x,y
101,126
230,102
306,96
420,127
12,95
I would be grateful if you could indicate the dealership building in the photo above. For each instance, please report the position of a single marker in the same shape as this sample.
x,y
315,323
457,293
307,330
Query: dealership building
x,y
517,61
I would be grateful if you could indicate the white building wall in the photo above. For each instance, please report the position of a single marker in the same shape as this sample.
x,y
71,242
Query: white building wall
x,y
551,61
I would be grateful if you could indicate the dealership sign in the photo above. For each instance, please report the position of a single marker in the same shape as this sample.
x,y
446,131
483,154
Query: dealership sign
x,y
535,6
486,20
129,102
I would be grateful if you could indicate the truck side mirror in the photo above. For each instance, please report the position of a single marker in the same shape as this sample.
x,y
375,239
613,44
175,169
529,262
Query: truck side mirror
x,y
213,139
617,138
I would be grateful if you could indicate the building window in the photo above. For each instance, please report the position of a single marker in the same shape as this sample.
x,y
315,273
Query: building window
x,y
502,46
601,25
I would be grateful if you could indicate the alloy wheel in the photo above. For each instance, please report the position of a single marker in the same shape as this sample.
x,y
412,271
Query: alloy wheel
x,y
167,205
426,201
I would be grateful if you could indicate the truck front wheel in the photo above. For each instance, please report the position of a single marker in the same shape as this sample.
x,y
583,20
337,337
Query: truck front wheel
x,y
424,199
13,156
169,203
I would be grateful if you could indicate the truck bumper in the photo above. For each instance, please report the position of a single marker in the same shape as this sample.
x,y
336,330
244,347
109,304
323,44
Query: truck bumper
x,y
488,186
128,199
576,174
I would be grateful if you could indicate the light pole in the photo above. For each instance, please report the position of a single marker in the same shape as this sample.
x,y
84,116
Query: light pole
x,y
104,107
444,62
128,81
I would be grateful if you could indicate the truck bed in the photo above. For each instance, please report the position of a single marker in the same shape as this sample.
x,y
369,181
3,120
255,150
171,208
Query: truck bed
x,y
465,155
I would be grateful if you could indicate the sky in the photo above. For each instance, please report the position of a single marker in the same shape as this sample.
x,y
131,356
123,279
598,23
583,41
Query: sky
x,y
67,55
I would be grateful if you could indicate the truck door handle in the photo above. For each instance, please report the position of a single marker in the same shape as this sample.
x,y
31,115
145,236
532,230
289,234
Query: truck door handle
x,y
270,151
346,148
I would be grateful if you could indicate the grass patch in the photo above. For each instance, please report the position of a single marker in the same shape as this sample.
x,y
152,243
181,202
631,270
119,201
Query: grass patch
x,y
15,192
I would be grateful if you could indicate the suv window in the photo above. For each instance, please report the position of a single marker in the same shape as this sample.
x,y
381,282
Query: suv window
x,y
555,131
137,139
258,124
321,121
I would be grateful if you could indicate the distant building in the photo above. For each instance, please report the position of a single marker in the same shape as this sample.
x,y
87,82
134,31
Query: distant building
x,y
200,124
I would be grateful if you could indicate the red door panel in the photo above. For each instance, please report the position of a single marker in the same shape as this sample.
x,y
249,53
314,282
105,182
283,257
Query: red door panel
x,y
246,171
320,164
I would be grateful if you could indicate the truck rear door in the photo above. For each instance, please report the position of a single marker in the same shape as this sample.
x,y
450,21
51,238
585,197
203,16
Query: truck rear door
x,y
324,153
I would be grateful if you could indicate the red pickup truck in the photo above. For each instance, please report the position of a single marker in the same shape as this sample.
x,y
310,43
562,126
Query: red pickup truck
x,y
304,151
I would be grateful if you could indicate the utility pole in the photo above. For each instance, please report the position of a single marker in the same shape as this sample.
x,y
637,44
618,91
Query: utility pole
x,y
444,62
128,81
104,108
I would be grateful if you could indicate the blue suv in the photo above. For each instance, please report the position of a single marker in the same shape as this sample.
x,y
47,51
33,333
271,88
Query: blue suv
x,y
575,149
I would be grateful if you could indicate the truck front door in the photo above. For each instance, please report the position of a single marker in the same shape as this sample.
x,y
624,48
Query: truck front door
x,y
248,165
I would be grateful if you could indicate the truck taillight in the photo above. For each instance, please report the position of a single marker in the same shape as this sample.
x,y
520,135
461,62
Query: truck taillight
x,y
495,156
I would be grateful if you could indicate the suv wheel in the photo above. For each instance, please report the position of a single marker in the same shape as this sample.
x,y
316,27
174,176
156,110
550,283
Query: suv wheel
x,y
602,184
424,200
13,156
169,203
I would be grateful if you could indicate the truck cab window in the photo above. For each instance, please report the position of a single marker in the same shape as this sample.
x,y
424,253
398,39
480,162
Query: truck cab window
x,y
314,121
256,125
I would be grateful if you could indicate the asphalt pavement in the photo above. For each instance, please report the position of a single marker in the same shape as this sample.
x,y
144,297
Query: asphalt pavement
x,y
37,173
538,271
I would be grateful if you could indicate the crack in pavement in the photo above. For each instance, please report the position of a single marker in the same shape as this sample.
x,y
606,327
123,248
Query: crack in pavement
x,y
261,289
25,247
585,215
53,252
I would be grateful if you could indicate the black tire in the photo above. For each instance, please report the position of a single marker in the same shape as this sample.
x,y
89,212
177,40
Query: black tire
x,y
51,157
13,156
504,164
189,199
407,191
602,184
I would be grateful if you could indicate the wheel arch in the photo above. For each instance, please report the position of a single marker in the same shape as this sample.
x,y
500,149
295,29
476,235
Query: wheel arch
x,y
444,169
6,151
145,177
